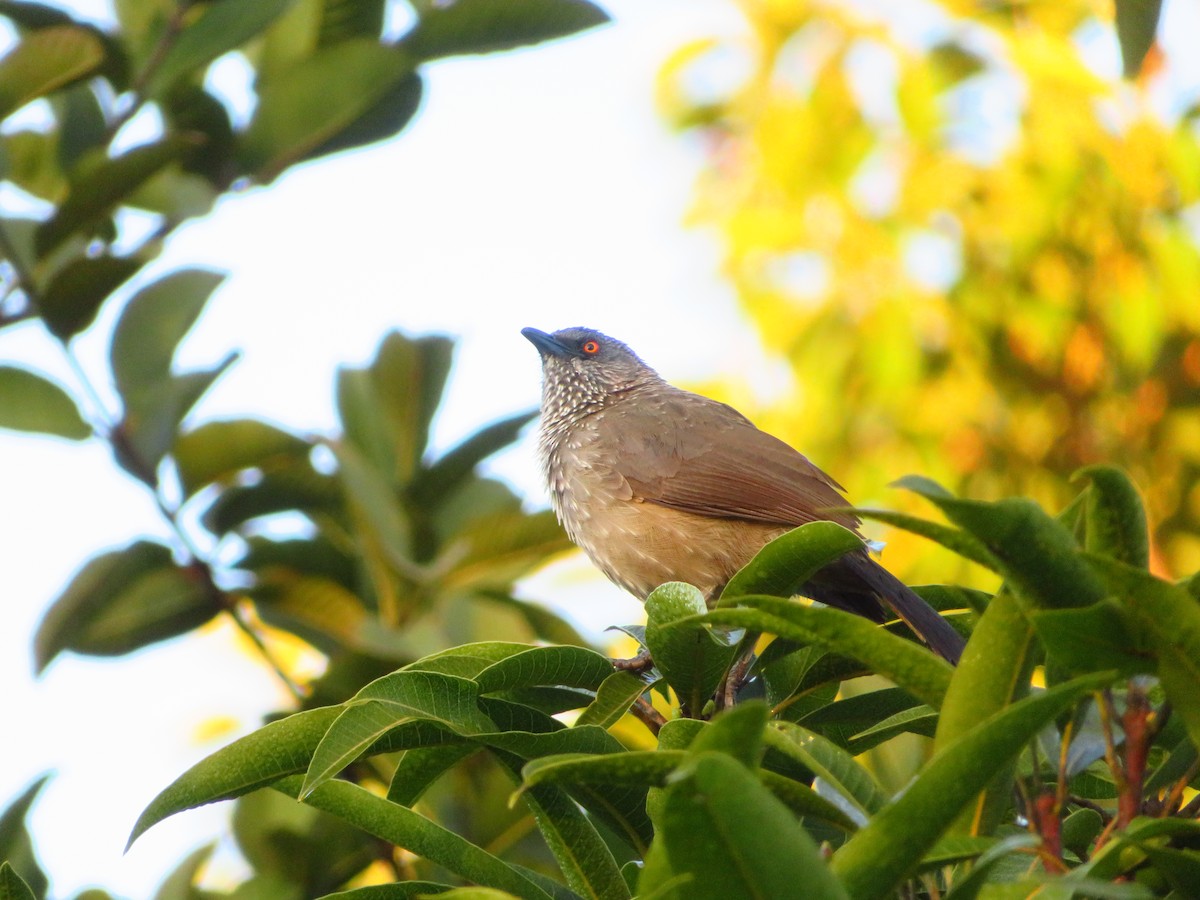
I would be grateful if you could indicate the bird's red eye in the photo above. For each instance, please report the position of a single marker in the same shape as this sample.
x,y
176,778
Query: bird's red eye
x,y
591,348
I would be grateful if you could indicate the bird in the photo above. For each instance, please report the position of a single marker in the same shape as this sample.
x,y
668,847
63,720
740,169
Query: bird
x,y
658,484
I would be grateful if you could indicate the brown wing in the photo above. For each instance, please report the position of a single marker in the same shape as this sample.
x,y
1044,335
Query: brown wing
x,y
690,453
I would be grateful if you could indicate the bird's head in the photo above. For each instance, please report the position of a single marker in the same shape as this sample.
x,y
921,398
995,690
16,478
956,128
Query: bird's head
x,y
583,369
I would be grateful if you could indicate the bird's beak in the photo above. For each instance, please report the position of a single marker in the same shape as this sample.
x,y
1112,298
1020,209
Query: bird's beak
x,y
547,344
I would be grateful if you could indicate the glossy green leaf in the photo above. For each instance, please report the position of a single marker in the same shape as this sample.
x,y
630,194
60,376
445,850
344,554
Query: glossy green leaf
x,y
920,720
1137,21
216,451
968,885
960,542
468,660
387,703
1036,554
16,844
315,100
221,26
100,183
47,60
420,767
615,695
405,828
31,402
1115,516
738,731
12,886
829,762
878,858
69,303
121,601
480,26
908,665
787,563
153,323
692,658
571,666
705,835
280,748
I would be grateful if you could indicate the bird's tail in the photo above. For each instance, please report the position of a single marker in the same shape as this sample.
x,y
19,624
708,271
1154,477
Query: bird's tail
x,y
908,606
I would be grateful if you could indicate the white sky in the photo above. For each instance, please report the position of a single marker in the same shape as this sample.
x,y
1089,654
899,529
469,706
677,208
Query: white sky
x,y
536,188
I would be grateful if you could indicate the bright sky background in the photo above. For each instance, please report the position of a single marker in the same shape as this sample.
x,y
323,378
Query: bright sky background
x,y
535,188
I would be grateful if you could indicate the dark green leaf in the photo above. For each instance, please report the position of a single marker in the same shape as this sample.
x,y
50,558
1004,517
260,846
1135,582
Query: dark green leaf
x,y
1137,21
82,124
1116,519
482,26
738,732
317,99
16,845
615,695
412,832
99,184
216,451
829,762
69,303
420,767
45,61
570,666
880,856
967,887
221,26
345,19
1092,639
965,545
909,666
452,469
30,402
296,488
705,834
691,657
404,890
12,886
121,601
787,563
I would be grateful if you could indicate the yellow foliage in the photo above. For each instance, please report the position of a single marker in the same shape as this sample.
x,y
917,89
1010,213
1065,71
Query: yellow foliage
x,y
975,255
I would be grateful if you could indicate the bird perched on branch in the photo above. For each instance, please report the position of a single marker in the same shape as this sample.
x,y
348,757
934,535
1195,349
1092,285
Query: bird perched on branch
x,y
658,484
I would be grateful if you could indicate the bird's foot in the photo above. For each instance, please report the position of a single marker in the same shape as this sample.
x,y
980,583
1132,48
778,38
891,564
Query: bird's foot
x,y
637,665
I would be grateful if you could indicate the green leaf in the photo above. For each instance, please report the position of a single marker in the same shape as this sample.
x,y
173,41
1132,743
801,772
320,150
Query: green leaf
x,y
12,886
386,408
443,700
221,26
1116,519
965,545
468,660
100,183
16,845
909,666
47,60
420,767
382,519
295,488
918,720
1036,554
616,694
320,97
481,26
121,601
738,731
570,666
829,762
180,884
787,563
968,886
450,471
31,402
692,658
345,19
874,862
69,303
281,748
410,831
216,451
404,890
156,319
153,414
1137,21
706,835
1168,619
1093,639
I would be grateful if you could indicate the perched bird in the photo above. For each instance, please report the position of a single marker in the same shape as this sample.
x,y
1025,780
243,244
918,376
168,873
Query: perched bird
x,y
658,484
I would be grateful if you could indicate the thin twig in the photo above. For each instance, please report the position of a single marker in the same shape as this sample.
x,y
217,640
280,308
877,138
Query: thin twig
x,y
645,713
